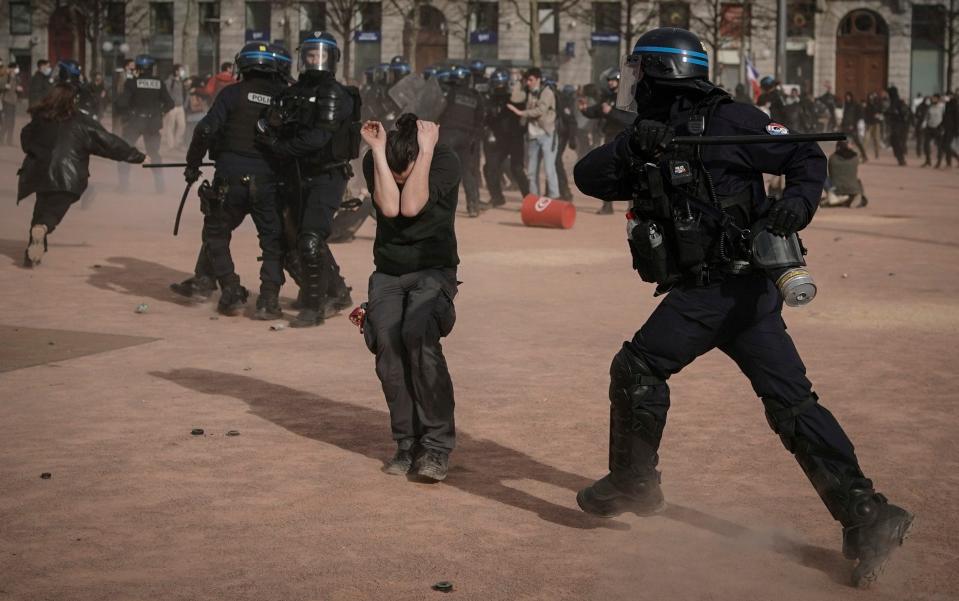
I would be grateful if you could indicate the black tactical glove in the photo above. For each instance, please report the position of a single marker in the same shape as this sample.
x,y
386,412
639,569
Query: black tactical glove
x,y
786,217
137,157
191,174
650,137
266,141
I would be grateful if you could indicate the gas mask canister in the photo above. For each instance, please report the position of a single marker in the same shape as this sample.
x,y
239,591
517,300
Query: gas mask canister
x,y
781,259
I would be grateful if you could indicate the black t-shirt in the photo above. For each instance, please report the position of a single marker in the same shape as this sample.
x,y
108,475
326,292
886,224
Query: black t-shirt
x,y
407,244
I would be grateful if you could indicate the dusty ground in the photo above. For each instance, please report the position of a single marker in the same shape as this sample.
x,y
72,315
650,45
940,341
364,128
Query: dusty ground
x,y
295,507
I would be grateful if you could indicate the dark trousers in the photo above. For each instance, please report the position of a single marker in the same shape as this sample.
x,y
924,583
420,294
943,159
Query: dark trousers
x,y
562,141
506,148
133,129
742,317
931,135
9,123
898,140
405,318
50,208
465,144
258,199
945,149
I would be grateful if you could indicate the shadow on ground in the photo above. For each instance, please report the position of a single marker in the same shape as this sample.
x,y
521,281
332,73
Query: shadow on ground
x,y
481,466
138,278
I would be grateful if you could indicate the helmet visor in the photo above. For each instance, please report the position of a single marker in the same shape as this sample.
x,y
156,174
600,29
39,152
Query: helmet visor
x,y
318,56
631,73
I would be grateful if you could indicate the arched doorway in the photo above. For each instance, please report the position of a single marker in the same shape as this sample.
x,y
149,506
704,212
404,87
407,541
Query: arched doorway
x,y
432,44
63,37
862,54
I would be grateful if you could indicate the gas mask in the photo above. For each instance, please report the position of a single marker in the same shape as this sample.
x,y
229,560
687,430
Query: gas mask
x,y
781,259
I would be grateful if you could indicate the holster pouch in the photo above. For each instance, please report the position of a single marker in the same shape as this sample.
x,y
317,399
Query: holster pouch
x,y
689,241
648,247
211,196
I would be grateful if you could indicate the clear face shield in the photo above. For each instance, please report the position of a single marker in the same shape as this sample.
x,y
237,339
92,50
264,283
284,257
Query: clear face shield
x,y
316,56
631,73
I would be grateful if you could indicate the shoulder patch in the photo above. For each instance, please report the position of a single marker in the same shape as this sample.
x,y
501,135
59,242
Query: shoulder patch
x,y
776,129
259,98
148,84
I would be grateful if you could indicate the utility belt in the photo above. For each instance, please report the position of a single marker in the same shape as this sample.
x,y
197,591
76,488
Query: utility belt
x,y
213,195
343,167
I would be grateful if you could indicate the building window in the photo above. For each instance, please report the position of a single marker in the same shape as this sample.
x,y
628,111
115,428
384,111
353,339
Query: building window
x,y
607,17
371,16
548,31
484,17
21,23
257,21
802,19
161,18
674,14
115,24
312,18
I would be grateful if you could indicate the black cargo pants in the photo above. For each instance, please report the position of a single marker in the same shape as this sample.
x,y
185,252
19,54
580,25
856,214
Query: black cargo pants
x,y
405,318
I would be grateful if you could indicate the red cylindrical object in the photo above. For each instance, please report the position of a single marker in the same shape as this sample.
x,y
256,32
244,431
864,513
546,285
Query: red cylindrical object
x,y
541,211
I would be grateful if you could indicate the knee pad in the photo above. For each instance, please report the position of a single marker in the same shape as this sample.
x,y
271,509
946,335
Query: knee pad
x,y
312,247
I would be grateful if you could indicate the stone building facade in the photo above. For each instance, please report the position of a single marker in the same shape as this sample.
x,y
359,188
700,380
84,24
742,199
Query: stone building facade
x,y
859,45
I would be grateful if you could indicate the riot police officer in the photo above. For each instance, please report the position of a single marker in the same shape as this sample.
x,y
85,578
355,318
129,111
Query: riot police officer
x,y
71,72
460,126
245,181
695,209
144,101
611,121
314,125
503,143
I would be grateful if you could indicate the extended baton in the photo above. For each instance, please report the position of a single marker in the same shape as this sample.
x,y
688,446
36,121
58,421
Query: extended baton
x,y
179,211
758,139
171,165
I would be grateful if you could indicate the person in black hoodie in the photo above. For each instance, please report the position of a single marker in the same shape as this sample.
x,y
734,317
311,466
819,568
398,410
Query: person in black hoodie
x,y
58,143
851,114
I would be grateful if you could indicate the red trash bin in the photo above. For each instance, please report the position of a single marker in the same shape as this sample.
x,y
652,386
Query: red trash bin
x,y
540,211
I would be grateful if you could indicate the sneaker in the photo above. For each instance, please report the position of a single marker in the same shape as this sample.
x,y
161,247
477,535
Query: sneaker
x,y
433,464
873,543
400,464
605,500
232,298
38,244
199,287
307,318
268,307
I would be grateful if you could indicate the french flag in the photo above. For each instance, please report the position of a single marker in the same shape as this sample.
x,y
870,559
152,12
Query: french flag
x,y
752,75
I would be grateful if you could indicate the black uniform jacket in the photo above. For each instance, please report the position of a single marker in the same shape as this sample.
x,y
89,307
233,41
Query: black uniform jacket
x,y
58,154
604,173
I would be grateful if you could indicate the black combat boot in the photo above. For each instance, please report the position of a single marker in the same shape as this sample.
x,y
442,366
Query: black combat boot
x,y
232,296
605,499
340,302
268,303
873,529
199,287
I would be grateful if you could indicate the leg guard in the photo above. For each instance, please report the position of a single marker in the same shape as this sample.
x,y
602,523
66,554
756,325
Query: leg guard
x,y
808,430
315,274
639,401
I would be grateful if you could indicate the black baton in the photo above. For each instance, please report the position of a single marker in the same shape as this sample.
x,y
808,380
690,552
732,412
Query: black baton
x,y
758,139
171,165
179,211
